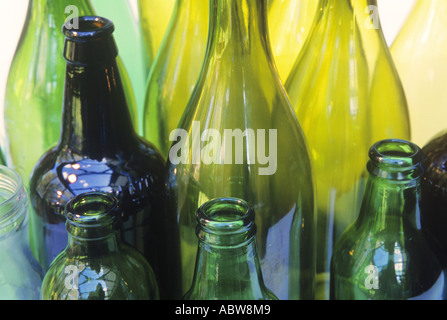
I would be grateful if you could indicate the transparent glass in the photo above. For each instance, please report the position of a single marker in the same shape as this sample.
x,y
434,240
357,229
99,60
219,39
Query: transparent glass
x,y
347,95
131,47
384,255
420,51
227,266
35,86
175,71
99,150
96,264
289,25
239,138
20,274
154,17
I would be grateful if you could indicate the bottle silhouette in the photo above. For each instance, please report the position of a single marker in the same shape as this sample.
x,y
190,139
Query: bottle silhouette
x,y
96,264
384,255
99,150
227,266
239,138
175,71
347,95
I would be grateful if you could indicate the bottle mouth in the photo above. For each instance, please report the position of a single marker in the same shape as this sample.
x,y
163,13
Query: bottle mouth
x,y
225,221
88,27
13,201
396,160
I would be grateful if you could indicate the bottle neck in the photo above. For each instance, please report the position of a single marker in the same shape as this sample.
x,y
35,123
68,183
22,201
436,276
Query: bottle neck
x,y
81,242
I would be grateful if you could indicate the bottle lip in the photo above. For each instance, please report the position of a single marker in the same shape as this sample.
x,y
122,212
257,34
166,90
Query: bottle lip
x,y
226,218
88,27
396,159
92,210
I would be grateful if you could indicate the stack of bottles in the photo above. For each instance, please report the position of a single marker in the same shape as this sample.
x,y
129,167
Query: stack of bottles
x,y
219,150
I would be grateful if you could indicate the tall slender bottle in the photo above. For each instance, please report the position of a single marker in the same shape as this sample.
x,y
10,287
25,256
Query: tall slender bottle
x,y
289,25
175,71
154,17
99,150
227,266
239,138
384,255
96,264
35,86
347,95
131,46
420,52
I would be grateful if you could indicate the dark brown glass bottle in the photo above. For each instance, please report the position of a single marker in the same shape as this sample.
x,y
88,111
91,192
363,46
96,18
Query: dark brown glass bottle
x,y
99,150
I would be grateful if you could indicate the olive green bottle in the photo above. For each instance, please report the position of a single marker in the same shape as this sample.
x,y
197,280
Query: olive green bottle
x,y
347,95
239,138
227,265
175,71
35,85
385,255
96,264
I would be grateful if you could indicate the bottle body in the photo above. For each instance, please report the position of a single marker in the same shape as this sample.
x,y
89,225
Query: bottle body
x,y
100,151
239,138
96,265
419,53
175,71
20,274
385,255
346,58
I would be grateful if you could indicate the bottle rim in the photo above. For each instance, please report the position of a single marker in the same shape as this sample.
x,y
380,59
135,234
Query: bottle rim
x,y
88,27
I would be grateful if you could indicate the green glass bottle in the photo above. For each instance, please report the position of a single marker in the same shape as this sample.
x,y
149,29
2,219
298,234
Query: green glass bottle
x,y
175,71
239,138
347,95
227,266
96,264
35,86
289,25
384,255
131,47
420,51
99,150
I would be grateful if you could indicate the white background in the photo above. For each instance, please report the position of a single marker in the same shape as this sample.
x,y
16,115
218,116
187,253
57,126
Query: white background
x,y
12,14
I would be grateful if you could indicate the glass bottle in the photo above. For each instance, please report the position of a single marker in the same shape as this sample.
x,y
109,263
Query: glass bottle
x,y
96,264
347,95
227,265
239,138
20,274
154,17
99,150
289,25
175,71
35,85
384,255
131,47
420,54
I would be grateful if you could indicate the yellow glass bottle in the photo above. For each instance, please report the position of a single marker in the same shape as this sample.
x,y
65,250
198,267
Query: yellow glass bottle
x,y
289,25
420,52
154,17
175,71
347,95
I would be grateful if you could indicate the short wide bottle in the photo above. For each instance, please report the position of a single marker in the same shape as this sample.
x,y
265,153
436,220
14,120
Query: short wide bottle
x,y
227,266
384,255
96,264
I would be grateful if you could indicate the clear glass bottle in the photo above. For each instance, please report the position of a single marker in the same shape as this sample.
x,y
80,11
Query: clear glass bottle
x,y
227,265
289,25
96,264
420,52
239,138
347,95
384,255
175,71
35,85
20,274
99,150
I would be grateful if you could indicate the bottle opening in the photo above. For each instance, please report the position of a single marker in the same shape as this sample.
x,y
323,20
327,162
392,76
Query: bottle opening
x,y
88,27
